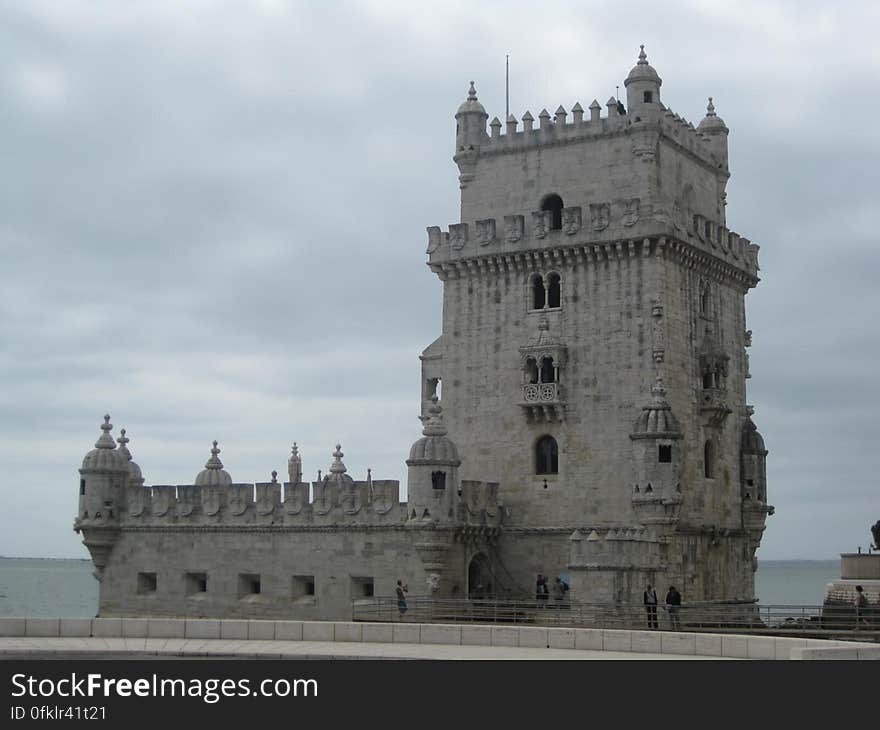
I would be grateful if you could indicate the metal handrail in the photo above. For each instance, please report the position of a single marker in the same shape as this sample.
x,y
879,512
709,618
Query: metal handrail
x,y
735,616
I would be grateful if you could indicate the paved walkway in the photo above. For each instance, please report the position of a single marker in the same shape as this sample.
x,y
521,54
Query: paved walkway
x,y
101,648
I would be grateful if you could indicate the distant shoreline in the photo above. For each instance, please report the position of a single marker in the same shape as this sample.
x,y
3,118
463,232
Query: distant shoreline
x,y
24,557
760,562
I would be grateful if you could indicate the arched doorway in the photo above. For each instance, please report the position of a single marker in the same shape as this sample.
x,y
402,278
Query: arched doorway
x,y
480,583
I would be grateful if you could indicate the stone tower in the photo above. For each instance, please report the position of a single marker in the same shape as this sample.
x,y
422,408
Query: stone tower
x,y
593,355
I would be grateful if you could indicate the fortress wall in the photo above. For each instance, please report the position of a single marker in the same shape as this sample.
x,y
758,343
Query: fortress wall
x,y
341,561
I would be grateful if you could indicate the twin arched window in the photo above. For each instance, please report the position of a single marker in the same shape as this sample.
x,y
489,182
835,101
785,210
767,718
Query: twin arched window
x,y
544,372
546,456
546,291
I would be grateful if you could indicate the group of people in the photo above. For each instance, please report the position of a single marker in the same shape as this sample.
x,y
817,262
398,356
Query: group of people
x,y
673,604
543,591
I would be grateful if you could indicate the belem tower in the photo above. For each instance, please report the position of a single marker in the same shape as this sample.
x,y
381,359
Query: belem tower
x,y
594,419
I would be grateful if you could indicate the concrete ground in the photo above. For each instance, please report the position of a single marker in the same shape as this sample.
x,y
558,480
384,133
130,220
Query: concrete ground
x,y
31,647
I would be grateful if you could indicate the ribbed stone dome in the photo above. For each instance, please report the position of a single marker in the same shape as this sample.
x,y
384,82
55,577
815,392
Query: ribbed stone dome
x,y
752,441
643,71
213,475
711,120
656,419
471,104
434,447
105,456
338,471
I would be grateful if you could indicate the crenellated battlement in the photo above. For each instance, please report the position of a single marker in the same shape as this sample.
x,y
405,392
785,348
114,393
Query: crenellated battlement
x,y
262,503
560,130
595,231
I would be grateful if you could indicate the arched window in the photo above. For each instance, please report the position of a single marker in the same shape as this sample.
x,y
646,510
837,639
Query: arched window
x,y
554,291
709,460
538,293
548,371
531,371
704,300
553,203
546,456
438,479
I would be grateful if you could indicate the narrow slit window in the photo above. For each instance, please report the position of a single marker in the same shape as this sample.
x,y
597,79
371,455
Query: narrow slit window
x,y
554,291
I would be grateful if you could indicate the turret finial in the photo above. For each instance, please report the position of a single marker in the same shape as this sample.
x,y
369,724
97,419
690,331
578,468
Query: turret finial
x,y
710,108
337,467
214,462
105,441
274,477
643,57
472,93
123,444
658,391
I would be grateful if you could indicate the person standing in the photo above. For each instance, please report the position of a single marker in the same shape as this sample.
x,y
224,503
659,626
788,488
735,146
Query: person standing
x,y
558,590
402,590
650,600
541,592
673,603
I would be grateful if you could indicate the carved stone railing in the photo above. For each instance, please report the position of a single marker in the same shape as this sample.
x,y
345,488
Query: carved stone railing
x,y
542,402
541,393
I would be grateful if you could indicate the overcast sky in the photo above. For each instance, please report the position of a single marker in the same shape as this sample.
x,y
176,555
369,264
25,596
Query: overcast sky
x,y
212,225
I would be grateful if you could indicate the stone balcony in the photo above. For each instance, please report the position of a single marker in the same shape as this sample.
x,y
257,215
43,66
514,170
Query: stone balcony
x,y
542,402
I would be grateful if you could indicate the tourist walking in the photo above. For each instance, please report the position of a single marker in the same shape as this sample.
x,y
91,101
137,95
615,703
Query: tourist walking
x,y
861,604
402,590
650,599
673,603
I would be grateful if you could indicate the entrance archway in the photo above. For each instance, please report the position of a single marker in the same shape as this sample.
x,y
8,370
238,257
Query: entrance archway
x,y
480,583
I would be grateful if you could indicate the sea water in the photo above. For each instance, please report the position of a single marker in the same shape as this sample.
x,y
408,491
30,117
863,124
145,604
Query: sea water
x,y
55,588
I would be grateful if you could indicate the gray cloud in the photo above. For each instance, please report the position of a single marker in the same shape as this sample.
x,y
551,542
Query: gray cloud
x,y
212,224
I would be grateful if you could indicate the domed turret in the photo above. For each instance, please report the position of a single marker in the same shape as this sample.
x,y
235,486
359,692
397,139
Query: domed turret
x,y
753,456
643,88
714,128
656,439
105,457
433,462
213,475
102,478
470,133
101,497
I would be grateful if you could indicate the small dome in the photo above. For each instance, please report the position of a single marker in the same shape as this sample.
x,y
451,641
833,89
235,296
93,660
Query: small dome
x,y
337,469
134,471
711,121
656,419
642,71
752,441
105,457
213,475
471,104
434,447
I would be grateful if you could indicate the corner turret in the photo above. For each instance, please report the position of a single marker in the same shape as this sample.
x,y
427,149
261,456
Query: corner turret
x,y
470,134
103,477
715,131
432,483
656,441
643,89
